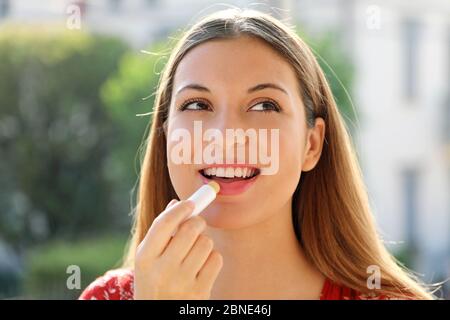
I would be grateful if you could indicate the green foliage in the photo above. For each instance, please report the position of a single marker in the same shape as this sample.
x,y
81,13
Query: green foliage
x,y
338,69
55,135
129,96
406,255
46,274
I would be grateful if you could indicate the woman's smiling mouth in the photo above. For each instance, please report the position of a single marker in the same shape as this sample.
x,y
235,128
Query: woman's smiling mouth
x,y
233,179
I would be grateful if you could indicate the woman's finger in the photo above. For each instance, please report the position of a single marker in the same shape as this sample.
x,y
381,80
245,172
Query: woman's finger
x,y
185,238
198,254
171,203
159,234
210,270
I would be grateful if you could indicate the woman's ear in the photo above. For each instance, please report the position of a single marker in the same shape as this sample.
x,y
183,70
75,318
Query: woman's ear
x,y
314,144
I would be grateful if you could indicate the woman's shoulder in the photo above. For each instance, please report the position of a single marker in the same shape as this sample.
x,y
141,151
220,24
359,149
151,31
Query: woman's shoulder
x,y
334,291
115,284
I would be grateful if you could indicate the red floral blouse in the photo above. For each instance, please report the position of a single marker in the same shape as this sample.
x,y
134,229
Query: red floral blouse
x,y
118,285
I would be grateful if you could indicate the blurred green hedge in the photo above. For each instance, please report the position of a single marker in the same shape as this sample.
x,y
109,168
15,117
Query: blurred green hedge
x,y
46,266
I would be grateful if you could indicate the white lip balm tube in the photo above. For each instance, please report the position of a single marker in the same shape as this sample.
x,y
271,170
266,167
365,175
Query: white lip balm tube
x,y
204,196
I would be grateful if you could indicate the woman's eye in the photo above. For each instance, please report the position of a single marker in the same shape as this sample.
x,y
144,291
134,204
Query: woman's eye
x,y
265,106
194,105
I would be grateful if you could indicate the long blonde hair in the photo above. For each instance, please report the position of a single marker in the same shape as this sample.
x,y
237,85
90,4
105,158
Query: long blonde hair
x,y
331,212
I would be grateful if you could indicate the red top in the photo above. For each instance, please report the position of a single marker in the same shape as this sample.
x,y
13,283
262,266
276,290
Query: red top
x,y
118,285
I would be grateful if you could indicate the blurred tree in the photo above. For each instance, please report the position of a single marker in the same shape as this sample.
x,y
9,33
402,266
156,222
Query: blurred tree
x,y
55,136
129,96
338,68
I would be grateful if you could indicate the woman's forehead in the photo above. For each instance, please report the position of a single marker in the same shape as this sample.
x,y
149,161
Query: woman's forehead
x,y
241,60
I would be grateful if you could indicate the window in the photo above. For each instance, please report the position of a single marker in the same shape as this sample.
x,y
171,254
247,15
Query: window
x,y
4,8
411,30
114,5
410,198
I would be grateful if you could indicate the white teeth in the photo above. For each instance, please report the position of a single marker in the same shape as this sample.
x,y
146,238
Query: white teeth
x,y
220,172
229,172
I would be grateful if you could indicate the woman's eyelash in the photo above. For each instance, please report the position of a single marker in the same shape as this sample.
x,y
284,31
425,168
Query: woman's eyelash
x,y
275,105
190,101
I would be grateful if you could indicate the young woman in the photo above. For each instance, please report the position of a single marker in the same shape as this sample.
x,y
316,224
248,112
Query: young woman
x,y
306,232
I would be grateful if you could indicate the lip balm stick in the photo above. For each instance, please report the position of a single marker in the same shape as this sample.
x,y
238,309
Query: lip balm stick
x,y
204,196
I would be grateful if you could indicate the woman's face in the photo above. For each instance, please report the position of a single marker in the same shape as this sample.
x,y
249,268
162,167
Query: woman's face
x,y
223,71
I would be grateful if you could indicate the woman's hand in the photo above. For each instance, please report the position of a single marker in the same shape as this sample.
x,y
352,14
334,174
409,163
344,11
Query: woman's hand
x,y
182,266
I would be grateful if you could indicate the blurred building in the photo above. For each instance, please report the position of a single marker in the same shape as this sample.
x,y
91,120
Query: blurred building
x,y
401,53
402,89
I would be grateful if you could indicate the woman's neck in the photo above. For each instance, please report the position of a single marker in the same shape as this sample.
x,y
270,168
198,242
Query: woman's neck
x,y
264,261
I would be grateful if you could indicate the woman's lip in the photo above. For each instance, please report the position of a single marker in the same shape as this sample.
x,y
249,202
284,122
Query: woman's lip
x,y
232,188
230,166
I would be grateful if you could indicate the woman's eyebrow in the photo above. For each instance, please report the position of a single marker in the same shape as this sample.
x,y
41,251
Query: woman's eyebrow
x,y
258,87
263,86
193,86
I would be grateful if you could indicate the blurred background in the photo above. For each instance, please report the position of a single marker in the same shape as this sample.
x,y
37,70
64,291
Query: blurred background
x,y
73,79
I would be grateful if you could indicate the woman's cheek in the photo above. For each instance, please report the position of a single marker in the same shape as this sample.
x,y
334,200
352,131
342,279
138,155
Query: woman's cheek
x,y
290,152
183,181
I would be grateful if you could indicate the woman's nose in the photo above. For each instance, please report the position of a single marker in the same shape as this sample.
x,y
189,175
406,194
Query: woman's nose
x,y
231,127
228,117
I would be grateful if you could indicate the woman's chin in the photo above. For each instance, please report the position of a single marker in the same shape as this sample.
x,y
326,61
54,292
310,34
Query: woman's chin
x,y
227,216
